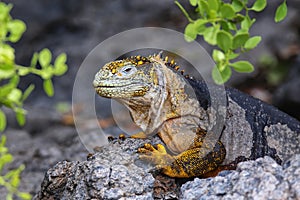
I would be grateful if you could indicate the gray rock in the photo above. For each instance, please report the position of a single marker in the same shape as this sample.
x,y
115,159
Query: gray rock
x,y
259,179
114,172
111,173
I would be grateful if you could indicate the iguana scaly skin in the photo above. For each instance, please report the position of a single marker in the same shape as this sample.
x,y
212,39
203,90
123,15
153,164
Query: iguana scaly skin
x,y
160,102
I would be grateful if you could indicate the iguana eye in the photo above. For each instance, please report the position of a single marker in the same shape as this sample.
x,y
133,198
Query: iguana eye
x,y
128,70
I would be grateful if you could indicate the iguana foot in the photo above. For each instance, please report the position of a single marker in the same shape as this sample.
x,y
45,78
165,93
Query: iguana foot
x,y
157,156
190,163
163,161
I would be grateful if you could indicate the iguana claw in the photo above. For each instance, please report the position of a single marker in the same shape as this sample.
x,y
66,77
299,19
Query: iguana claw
x,y
157,156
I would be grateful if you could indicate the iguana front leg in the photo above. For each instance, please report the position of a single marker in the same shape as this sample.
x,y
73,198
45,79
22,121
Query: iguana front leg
x,y
190,163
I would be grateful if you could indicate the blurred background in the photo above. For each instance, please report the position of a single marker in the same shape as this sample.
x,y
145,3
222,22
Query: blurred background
x,y
77,26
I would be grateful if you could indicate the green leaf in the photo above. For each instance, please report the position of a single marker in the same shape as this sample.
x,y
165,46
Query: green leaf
x,y
281,12
16,28
45,57
15,180
252,42
239,40
193,2
237,5
190,32
210,34
20,116
238,18
3,149
221,77
2,181
14,172
7,88
60,70
4,11
9,196
3,142
60,60
224,40
27,92
34,60
227,11
242,66
247,23
48,87
6,71
3,31
203,8
224,25
14,81
15,95
24,196
7,54
218,56
2,121
212,14
199,25
222,66
7,158
213,4
59,65
233,55
259,5
231,26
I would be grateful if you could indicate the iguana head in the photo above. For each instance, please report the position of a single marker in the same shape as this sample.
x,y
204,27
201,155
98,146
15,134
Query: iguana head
x,y
133,76
127,78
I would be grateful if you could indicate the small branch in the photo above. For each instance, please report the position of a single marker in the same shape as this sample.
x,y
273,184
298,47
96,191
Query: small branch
x,y
184,11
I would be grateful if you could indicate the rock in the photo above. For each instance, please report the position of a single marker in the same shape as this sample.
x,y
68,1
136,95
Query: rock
x,y
115,172
111,173
259,179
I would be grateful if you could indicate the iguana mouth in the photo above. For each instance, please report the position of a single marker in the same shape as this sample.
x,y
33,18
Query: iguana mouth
x,y
114,84
111,86
120,90
124,85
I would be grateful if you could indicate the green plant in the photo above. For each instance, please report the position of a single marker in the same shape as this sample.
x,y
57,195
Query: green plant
x,y
226,25
10,72
11,179
11,96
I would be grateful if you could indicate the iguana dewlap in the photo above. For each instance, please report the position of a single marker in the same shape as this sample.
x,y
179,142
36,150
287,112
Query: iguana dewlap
x,y
156,95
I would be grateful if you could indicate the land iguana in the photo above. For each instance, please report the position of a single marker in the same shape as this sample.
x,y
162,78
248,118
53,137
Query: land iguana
x,y
155,93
